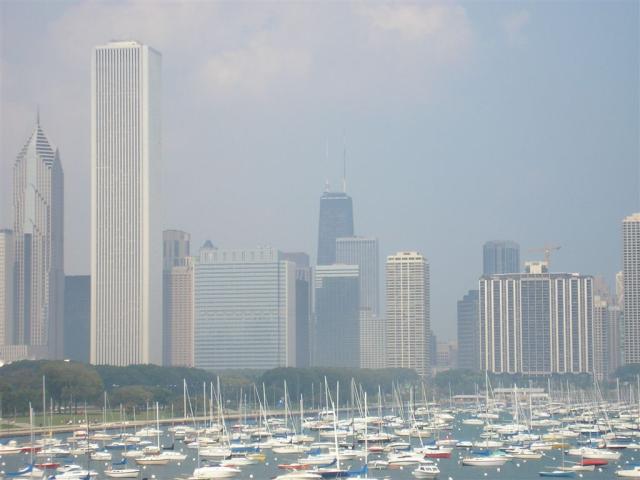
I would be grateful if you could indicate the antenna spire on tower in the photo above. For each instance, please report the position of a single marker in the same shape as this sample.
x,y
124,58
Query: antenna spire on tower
x,y
38,115
344,164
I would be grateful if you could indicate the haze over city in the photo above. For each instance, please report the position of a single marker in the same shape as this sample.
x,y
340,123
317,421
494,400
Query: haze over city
x,y
461,122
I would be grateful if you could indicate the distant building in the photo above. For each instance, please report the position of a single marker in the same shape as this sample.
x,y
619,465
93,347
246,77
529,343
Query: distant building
x,y
303,307
615,338
536,322
500,256
77,317
601,332
337,326
631,276
245,307
177,299
468,331
373,341
364,252
408,311
38,202
176,246
7,268
336,221
126,228
446,356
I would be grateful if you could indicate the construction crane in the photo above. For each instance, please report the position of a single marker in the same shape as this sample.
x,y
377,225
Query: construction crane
x,y
546,250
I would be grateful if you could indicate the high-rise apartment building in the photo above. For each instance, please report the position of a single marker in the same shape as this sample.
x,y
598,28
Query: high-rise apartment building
x,y
631,278
500,256
536,322
126,235
303,306
601,332
77,317
38,202
245,309
177,299
337,326
468,331
336,221
408,311
7,266
373,341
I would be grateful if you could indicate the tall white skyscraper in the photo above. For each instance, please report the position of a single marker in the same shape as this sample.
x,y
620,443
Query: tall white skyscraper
x,y
7,263
408,311
536,322
126,235
631,279
38,202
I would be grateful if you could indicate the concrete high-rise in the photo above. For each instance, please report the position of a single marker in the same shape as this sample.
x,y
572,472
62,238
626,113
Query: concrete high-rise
x,y
7,268
536,322
77,317
364,252
126,235
38,201
500,256
631,278
303,306
336,221
245,309
177,299
337,325
408,311
468,331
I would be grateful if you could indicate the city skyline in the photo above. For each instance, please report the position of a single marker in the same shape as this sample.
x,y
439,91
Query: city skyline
x,y
511,134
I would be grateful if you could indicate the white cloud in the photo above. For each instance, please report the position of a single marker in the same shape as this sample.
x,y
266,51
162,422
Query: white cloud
x,y
443,28
253,70
514,25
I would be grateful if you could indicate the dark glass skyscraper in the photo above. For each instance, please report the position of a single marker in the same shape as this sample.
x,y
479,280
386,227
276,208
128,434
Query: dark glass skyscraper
x,y
336,220
500,256
468,332
337,327
303,306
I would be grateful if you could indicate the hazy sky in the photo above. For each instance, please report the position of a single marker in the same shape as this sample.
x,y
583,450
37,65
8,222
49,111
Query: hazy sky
x,y
464,122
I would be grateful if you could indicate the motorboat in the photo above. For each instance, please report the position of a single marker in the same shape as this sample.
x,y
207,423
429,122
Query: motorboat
x,y
488,461
426,471
122,473
629,473
215,471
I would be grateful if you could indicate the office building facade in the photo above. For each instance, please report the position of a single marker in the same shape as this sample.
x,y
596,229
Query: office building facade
x,y
336,221
536,322
38,202
177,299
408,311
500,256
631,287
7,266
126,234
244,309
468,331
337,315
303,306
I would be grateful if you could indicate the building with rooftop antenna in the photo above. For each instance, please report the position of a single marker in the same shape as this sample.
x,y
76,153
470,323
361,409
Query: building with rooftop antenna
x,y
38,202
336,221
